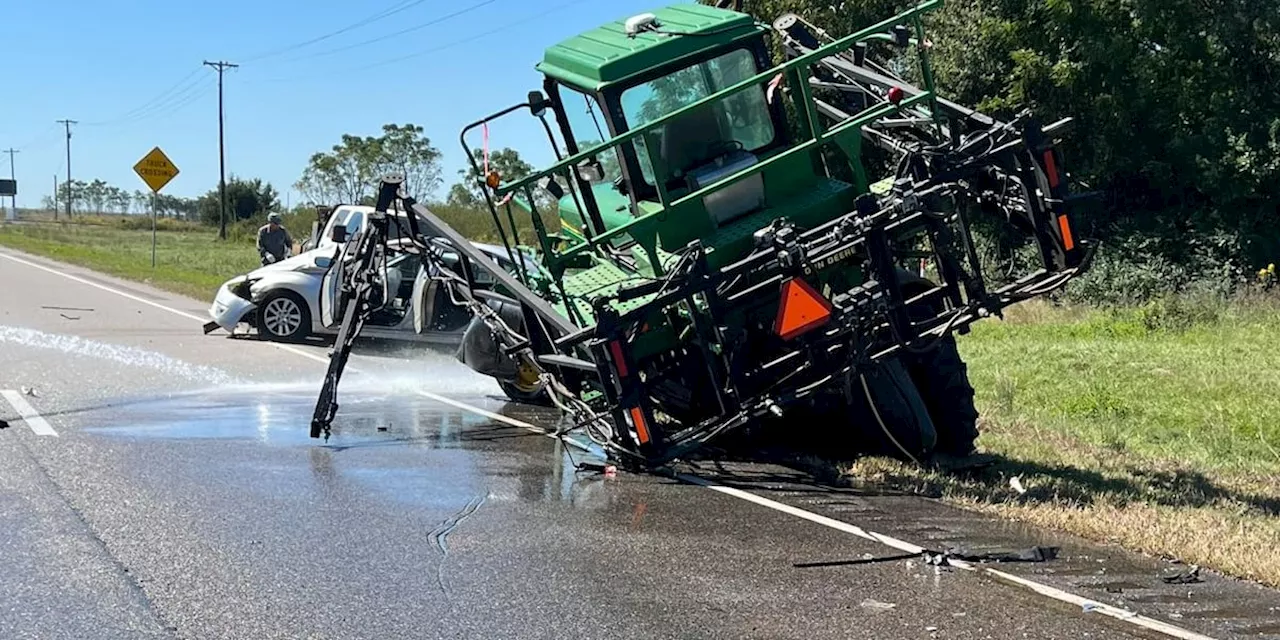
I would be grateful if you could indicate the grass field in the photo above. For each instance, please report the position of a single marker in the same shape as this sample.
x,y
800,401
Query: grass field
x,y
190,261
1157,428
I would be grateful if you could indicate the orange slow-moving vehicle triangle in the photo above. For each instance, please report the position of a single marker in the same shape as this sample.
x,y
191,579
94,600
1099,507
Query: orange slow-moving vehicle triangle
x,y
801,309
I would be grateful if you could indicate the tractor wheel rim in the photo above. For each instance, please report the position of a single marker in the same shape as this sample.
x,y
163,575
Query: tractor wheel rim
x,y
282,316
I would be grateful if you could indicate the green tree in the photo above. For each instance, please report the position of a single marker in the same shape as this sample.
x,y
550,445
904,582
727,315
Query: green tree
x,y
506,162
349,172
246,199
1177,118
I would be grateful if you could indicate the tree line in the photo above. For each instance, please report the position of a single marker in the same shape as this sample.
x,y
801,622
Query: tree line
x,y
246,199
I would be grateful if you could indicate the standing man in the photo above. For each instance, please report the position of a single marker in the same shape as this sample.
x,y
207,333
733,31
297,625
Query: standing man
x,y
274,242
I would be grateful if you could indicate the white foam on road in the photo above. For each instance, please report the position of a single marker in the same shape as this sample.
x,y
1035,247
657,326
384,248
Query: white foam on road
x,y
157,305
122,355
28,413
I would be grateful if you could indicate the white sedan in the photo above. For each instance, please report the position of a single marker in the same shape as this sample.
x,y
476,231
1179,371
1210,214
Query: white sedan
x,y
282,300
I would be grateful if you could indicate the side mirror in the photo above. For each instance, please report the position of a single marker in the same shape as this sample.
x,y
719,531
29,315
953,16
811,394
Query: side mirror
x,y
591,171
339,233
538,103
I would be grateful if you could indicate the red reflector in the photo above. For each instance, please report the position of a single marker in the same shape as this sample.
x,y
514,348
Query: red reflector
x,y
1051,169
802,308
642,428
896,94
615,350
1068,242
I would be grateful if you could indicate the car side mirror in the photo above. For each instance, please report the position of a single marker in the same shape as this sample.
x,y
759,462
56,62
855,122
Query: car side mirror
x,y
339,233
591,171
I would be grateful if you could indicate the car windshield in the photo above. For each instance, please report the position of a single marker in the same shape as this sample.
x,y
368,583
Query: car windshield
x,y
741,120
352,218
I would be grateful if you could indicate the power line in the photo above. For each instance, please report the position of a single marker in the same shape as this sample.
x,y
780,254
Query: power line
x,y
386,36
430,50
68,124
39,138
174,103
385,13
222,156
162,96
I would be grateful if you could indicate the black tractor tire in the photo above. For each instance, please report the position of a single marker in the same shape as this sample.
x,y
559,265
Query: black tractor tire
x,y
942,379
269,328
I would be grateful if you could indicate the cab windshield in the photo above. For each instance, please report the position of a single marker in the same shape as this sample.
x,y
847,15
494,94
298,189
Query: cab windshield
x,y
739,122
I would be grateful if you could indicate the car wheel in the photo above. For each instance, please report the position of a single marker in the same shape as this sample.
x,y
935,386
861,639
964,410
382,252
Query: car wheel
x,y
283,316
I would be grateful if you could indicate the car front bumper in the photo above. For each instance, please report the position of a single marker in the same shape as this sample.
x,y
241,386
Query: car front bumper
x,y
228,308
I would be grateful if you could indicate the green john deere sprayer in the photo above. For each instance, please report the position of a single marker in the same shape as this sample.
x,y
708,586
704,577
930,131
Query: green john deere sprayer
x,y
737,239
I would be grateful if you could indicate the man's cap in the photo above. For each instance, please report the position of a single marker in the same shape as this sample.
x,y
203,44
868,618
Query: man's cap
x,y
273,217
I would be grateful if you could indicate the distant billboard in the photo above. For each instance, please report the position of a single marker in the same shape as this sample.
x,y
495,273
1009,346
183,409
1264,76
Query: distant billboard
x,y
8,187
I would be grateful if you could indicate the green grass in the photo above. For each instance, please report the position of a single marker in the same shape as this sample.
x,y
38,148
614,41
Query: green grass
x,y
190,262
1157,428
1204,395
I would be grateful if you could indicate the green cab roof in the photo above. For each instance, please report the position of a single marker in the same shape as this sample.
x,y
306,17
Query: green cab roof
x,y
607,54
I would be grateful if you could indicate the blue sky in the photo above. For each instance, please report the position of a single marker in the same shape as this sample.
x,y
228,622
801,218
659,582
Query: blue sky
x,y
131,74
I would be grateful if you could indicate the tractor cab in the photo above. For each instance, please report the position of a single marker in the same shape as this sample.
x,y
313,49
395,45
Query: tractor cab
x,y
627,74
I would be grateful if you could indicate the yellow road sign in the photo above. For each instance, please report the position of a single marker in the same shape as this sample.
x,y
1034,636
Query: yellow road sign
x,y
155,169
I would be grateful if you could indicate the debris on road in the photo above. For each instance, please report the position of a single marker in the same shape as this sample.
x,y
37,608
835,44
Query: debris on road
x,y
52,308
4,424
29,391
876,605
1182,575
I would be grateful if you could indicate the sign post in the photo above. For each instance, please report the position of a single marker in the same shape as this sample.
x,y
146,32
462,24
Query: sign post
x,y
156,170
10,188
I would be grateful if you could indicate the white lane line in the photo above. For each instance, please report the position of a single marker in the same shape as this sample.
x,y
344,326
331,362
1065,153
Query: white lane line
x,y
190,316
1043,589
1085,604
28,413
1054,593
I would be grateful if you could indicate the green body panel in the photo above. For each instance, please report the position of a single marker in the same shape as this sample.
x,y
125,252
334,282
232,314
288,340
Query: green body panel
x,y
823,200
607,54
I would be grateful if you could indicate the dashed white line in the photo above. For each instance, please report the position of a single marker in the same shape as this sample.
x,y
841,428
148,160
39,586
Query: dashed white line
x,y
28,413
1040,588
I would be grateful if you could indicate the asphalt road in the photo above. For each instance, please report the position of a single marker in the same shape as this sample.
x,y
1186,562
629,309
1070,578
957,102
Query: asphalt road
x,y
182,498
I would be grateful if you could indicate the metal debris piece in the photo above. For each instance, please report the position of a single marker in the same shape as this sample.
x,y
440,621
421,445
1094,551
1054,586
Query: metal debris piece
x,y
1016,483
53,308
4,424
1182,575
30,391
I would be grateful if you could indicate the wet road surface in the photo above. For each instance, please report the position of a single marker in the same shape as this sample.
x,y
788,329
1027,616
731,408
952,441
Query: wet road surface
x,y
182,498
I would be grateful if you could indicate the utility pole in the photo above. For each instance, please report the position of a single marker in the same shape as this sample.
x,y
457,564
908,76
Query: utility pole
x,y
222,156
68,124
55,197
13,177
